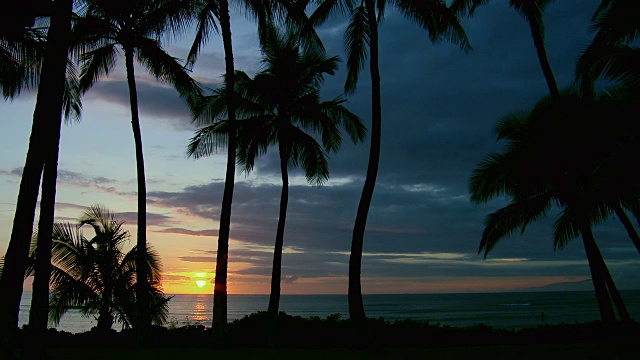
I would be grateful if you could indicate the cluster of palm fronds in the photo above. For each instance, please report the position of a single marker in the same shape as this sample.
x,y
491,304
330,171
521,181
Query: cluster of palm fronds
x,y
96,275
575,150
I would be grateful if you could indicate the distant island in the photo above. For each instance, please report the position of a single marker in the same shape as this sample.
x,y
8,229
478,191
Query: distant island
x,y
583,285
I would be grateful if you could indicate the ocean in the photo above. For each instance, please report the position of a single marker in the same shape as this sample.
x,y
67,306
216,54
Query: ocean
x,y
511,310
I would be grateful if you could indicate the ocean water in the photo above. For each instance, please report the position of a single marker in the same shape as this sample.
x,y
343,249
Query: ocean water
x,y
504,310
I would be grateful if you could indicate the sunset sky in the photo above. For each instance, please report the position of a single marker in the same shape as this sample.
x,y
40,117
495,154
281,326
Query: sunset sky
x,y
439,109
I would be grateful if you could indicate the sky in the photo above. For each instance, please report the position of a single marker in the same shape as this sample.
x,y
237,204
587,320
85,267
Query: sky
x,y
440,106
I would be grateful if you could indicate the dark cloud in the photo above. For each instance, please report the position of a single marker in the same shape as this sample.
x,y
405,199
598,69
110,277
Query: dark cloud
x,y
439,109
154,100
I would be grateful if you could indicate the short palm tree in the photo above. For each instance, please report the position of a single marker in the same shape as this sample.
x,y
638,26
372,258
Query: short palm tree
x,y
564,156
96,275
135,26
361,40
280,105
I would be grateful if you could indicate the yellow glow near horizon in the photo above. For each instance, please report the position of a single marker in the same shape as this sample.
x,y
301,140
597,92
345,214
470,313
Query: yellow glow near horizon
x,y
201,283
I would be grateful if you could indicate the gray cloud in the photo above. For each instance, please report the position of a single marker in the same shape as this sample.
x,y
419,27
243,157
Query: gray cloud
x,y
13,172
154,100
439,108
153,219
188,232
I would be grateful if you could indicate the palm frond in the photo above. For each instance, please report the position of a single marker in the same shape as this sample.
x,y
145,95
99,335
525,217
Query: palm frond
x,y
466,7
97,64
206,25
515,216
356,40
440,21
327,8
207,140
306,152
71,101
167,68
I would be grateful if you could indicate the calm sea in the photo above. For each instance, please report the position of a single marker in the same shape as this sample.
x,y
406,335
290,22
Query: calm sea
x,y
504,310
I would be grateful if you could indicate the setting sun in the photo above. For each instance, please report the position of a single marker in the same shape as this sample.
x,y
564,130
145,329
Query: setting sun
x,y
201,283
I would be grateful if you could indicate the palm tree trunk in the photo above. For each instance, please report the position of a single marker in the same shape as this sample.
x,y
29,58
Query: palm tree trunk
x,y
219,322
48,108
276,271
105,319
597,277
356,305
538,41
142,273
16,257
611,286
39,311
631,230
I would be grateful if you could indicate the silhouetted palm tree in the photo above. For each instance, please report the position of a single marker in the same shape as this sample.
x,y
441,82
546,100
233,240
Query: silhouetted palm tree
x,y
42,151
361,40
532,10
20,60
280,105
613,54
564,156
265,12
95,273
135,26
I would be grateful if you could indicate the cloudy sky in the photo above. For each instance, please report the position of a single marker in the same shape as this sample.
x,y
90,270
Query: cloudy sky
x,y
439,109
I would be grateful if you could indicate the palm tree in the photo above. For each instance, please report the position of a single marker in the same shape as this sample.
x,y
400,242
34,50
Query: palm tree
x,y
208,12
532,11
136,27
280,105
361,39
95,273
563,156
20,59
612,56
613,53
44,139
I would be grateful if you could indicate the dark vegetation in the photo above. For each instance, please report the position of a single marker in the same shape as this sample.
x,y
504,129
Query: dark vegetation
x,y
256,331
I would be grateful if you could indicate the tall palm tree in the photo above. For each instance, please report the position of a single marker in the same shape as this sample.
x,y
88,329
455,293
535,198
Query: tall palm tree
x,y
280,105
95,273
361,39
265,11
532,11
135,26
43,140
563,161
208,12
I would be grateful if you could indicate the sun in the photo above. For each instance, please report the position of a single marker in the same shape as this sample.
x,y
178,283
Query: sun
x,y
201,283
